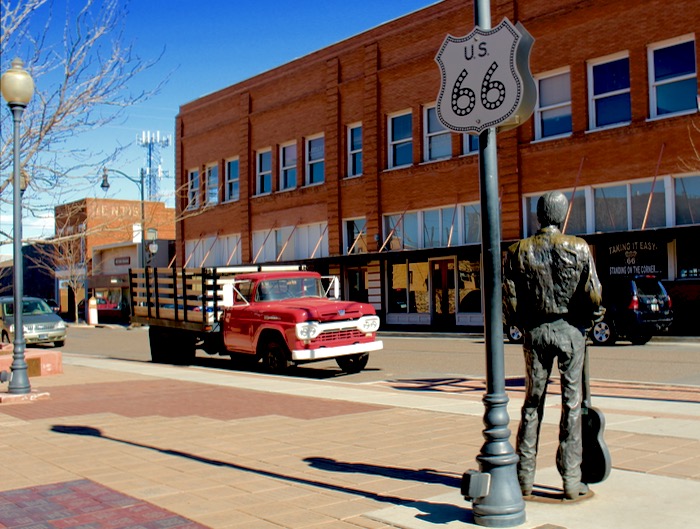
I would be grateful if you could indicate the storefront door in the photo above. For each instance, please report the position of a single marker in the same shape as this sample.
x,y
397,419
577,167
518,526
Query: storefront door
x,y
442,293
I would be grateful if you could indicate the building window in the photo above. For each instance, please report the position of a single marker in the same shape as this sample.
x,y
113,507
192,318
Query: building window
x,y
433,228
470,144
211,183
687,191
440,227
354,150
232,189
291,242
228,250
631,206
355,236
284,243
263,173
315,160
553,111
311,241
438,140
193,189
673,80
401,231
288,166
648,204
472,223
609,100
408,287
400,140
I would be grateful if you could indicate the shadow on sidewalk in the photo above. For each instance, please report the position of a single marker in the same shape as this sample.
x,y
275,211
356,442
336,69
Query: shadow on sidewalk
x,y
437,513
424,475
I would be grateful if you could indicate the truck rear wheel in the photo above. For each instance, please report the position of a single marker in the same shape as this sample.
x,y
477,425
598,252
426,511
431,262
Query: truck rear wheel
x,y
275,357
158,340
170,346
353,363
184,348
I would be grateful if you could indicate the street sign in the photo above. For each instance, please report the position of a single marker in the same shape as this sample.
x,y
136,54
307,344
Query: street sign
x,y
486,79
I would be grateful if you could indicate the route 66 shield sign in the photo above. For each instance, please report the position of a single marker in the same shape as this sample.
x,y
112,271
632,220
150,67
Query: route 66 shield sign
x,y
486,79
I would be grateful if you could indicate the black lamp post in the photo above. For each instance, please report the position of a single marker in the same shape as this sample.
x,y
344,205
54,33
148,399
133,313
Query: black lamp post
x,y
17,89
140,182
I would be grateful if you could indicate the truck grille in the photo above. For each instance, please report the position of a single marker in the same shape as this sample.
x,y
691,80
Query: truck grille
x,y
339,336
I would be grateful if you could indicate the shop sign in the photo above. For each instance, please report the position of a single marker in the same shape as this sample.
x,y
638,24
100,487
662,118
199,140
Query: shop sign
x,y
486,79
636,257
122,261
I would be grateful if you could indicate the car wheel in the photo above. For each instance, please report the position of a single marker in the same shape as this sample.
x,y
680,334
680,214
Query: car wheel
x,y
514,334
603,334
640,339
353,363
275,357
59,343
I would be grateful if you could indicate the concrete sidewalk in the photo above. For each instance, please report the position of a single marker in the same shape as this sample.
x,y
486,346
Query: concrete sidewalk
x,y
131,444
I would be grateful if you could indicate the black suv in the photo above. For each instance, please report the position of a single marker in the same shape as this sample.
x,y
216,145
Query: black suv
x,y
635,309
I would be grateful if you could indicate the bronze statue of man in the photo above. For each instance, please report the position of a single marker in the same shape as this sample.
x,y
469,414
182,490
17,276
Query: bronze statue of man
x,y
552,293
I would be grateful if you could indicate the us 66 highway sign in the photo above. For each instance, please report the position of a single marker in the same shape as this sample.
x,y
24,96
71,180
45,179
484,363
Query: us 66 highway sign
x,y
486,79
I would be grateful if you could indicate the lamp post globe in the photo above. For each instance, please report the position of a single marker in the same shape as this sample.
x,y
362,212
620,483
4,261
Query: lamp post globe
x,y
17,89
17,85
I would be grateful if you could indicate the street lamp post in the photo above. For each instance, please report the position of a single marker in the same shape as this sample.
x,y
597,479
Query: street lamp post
x,y
17,89
105,186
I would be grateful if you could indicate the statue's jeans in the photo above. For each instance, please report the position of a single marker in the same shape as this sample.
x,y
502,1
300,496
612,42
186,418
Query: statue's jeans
x,y
542,345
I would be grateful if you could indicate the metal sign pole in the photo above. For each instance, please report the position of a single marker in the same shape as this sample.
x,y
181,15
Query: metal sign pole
x,y
487,88
503,505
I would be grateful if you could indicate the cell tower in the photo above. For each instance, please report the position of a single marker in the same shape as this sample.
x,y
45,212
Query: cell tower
x,y
153,142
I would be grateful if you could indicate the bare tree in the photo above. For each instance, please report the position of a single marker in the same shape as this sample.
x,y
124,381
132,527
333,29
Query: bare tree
x,y
83,78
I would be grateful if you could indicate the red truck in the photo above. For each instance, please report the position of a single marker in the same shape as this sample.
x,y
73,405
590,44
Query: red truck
x,y
282,316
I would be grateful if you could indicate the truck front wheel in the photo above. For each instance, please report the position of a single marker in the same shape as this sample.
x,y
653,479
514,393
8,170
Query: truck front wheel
x,y
353,363
275,357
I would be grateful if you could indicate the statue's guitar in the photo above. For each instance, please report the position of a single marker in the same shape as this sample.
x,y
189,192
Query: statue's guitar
x,y
596,463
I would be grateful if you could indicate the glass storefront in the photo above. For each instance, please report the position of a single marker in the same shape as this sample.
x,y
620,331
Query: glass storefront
x,y
433,291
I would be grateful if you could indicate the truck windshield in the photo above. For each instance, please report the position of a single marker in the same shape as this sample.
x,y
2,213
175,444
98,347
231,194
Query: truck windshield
x,y
289,287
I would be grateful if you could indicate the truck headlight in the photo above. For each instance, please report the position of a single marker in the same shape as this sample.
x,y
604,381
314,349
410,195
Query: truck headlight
x,y
369,324
61,325
307,330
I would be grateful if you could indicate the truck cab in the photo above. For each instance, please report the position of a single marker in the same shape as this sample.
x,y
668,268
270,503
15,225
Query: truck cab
x,y
287,318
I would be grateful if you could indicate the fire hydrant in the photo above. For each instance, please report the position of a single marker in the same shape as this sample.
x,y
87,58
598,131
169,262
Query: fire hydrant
x,y
92,311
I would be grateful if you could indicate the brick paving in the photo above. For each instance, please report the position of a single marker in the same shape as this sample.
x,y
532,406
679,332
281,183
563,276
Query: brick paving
x,y
84,504
180,452
169,398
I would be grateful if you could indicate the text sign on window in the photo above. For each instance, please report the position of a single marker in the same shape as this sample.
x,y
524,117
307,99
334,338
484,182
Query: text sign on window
x,y
121,261
486,79
631,257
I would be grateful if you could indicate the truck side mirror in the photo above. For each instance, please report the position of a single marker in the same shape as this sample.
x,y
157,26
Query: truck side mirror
x,y
227,295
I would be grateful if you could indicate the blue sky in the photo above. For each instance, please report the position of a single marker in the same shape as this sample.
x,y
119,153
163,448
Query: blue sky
x,y
211,44
208,45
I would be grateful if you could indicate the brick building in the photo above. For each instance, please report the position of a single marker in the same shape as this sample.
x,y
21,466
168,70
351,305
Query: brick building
x,y
102,241
337,159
